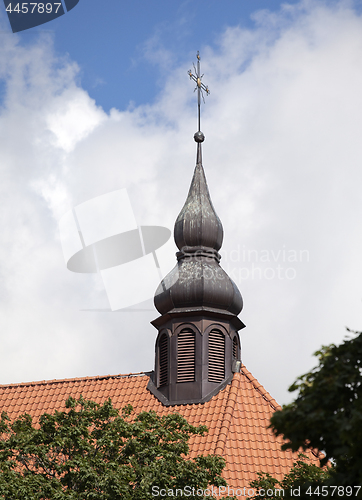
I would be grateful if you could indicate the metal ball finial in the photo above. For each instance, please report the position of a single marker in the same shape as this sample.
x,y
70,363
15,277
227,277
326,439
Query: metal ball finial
x,y
199,136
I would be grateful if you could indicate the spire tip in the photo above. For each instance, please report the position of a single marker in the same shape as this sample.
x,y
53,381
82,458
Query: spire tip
x,y
200,87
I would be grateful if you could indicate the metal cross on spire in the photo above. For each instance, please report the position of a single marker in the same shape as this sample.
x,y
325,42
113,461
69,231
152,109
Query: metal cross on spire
x,y
201,88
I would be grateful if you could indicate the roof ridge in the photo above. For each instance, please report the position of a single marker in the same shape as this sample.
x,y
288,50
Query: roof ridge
x,y
258,387
75,379
228,412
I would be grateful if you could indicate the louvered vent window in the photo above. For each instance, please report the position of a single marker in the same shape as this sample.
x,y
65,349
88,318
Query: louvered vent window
x,y
216,356
163,360
235,347
186,356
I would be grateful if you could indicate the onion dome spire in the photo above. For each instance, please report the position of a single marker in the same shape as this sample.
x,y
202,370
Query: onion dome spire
x,y
198,282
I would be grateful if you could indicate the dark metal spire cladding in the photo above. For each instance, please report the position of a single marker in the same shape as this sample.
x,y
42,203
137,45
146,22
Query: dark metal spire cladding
x,y
198,345
198,280
200,87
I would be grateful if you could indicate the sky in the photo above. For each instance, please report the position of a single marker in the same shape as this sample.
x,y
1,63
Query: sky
x,y
99,100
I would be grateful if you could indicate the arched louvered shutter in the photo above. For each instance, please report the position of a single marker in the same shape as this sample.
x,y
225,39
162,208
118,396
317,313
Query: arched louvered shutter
x,y
216,356
163,360
235,347
186,356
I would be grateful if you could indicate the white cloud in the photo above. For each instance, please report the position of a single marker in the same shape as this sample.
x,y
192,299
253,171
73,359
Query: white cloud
x,y
282,157
72,118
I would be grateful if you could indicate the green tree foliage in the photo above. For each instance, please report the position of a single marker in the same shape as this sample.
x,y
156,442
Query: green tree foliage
x,y
91,452
302,476
327,413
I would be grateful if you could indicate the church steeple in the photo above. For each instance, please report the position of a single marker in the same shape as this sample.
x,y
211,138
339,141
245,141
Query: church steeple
x,y
198,346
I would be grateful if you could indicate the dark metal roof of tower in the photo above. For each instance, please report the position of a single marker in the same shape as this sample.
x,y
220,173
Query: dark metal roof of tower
x,y
198,282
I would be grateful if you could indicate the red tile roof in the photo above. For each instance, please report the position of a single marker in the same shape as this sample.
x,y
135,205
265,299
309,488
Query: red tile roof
x,y
237,417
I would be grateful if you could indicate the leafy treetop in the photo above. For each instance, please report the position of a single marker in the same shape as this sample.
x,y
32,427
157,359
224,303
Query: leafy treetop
x,y
92,452
327,413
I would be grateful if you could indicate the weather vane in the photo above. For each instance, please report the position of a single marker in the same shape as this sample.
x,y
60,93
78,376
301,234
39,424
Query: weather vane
x,y
201,88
